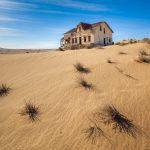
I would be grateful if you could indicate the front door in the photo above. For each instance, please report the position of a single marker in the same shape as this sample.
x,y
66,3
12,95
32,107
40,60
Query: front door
x,y
104,41
80,40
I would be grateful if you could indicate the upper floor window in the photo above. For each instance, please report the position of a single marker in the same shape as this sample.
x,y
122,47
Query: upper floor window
x,y
104,31
79,28
100,28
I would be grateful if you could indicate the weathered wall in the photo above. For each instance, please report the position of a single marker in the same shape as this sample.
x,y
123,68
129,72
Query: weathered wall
x,y
99,35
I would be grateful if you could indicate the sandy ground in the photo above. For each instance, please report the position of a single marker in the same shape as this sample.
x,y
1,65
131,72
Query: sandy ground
x,y
49,80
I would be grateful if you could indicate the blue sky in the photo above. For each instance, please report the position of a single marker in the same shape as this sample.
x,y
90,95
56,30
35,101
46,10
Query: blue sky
x,y
41,23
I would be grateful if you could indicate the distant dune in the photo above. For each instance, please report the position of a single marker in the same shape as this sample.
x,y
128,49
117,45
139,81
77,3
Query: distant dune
x,y
15,51
71,112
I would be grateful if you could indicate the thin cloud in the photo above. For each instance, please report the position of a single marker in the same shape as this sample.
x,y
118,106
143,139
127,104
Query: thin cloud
x,y
66,13
7,18
9,31
78,5
14,5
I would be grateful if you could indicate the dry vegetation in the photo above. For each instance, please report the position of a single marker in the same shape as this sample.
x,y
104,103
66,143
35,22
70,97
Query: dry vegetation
x,y
80,68
146,40
119,122
4,90
143,57
122,53
83,83
31,111
93,133
110,61
71,106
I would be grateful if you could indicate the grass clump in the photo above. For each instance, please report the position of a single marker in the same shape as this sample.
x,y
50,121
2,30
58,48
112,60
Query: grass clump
x,y
61,49
80,68
146,40
109,61
93,133
4,90
119,122
143,59
85,84
31,111
143,52
122,53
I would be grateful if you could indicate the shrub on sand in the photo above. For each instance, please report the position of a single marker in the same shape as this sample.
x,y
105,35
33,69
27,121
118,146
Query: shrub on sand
x,y
80,68
143,52
109,61
31,111
82,82
4,90
143,59
61,49
122,53
93,133
119,122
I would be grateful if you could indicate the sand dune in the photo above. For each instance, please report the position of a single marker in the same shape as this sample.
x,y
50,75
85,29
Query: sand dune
x,y
49,80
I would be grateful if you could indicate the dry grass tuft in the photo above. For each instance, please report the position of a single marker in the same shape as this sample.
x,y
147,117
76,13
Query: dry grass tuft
x,y
119,122
122,53
82,82
109,61
80,68
93,133
143,53
61,49
143,59
4,90
31,111
146,40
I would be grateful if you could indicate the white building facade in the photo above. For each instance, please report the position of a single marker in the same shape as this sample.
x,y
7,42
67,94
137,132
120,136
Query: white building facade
x,y
88,35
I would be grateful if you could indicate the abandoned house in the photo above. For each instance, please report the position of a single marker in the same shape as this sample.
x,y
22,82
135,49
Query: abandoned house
x,y
87,35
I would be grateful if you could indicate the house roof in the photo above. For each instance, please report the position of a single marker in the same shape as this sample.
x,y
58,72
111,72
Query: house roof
x,y
71,31
98,23
86,26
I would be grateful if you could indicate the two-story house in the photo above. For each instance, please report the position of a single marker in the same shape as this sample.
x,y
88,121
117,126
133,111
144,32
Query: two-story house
x,y
88,35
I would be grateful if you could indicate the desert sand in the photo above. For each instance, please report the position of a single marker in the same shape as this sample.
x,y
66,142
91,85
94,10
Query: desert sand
x,y
50,81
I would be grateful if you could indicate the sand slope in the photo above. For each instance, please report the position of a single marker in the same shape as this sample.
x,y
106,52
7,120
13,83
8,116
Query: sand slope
x,y
50,81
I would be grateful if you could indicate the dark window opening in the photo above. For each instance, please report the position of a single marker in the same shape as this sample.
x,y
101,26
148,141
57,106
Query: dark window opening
x,y
73,41
80,40
104,31
100,28
79,28
104,41
110,40
85,39
89,38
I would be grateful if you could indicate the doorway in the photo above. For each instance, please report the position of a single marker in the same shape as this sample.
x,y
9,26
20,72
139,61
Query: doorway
x,y
80,40
104,41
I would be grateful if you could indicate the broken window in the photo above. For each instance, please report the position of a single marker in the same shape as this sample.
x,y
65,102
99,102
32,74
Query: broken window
x,y
85,39
89,38
100,28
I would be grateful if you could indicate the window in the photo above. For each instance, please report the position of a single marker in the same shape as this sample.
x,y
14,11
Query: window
x,y
100,28
104,31
85,39
89,38
79,28
72,40
75,40
110,40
